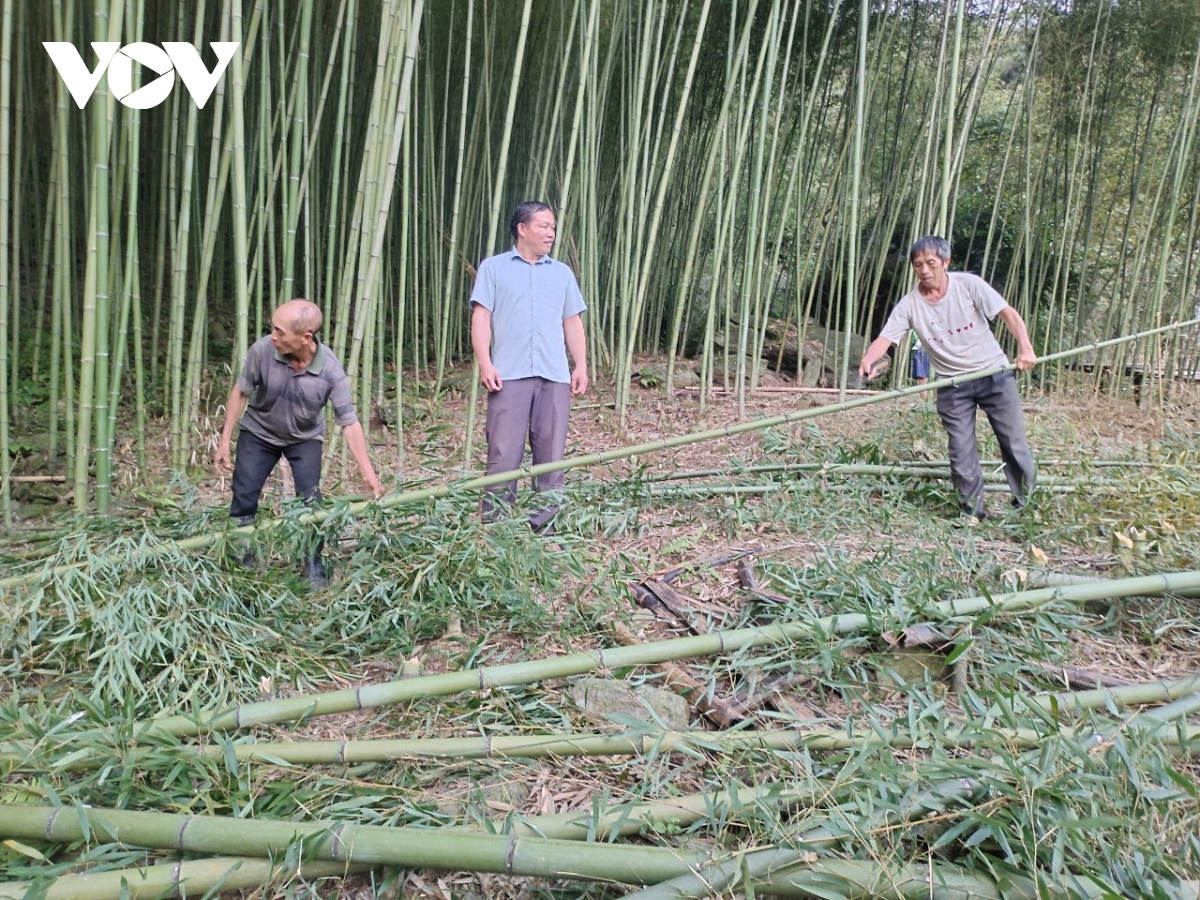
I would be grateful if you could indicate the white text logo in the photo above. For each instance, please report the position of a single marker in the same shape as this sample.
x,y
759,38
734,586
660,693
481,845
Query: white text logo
x,y
171,57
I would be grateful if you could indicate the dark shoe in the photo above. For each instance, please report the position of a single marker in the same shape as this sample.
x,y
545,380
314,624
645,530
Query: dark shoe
x,y
318,577
979,512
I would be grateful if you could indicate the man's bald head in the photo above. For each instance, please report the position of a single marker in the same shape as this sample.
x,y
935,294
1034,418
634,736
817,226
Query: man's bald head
x,y
301,315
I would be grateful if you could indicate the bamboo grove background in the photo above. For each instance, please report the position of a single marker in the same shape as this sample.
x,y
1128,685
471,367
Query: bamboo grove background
x,y
714,164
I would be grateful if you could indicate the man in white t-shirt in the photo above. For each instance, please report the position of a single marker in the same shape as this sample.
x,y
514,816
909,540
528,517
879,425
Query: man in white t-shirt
x,y
951,313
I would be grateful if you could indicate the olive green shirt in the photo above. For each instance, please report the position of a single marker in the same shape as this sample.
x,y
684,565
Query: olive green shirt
x,y
286,406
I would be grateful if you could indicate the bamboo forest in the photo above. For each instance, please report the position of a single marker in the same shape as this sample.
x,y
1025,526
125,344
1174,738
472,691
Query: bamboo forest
x,y
771,611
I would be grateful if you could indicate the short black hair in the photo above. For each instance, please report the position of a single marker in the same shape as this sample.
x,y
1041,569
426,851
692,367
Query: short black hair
x,y
931,242
525,211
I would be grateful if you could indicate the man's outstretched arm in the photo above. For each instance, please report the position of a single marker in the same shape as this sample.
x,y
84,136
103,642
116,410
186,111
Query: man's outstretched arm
x,y
234,407
357,442
1026,358
874,353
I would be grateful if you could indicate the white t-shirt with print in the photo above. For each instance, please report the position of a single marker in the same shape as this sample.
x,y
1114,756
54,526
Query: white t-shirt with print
x,y
956,330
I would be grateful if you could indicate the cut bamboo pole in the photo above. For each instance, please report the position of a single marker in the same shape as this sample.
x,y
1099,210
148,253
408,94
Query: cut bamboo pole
x,y
194,877
375,695
765,865
647,743
499,854
640,743
350,843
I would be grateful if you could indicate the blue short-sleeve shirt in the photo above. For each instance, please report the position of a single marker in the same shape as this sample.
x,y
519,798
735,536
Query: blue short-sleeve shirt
x,y
528,302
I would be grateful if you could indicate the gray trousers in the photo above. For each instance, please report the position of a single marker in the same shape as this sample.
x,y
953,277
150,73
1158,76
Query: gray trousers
x,y
997,396
532,408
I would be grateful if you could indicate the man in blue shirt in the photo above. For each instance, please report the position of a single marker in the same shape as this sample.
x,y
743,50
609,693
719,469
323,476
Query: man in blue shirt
x,y
525,317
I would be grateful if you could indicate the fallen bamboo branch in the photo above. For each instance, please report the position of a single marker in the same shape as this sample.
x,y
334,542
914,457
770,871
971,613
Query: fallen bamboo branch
x,y
370,696
764,865
1081,679
639,743
668,575
591,459
672,601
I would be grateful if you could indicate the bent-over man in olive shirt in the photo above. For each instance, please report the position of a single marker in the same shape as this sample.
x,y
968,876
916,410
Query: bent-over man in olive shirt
x,y
525,316
287,379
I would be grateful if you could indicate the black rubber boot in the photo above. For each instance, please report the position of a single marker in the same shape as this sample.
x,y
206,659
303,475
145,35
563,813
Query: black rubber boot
x,y
318,575
245,556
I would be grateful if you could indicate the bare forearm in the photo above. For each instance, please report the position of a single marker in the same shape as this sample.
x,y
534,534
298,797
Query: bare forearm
x,y
234,407
576,340
357,442
1016,327
481,334
876,349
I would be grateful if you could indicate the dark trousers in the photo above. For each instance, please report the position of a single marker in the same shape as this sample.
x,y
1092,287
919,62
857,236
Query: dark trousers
x,y
254,461
533,409
997,396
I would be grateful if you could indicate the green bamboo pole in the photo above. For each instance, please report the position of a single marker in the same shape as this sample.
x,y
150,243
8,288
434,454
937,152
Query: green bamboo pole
x,y
500,854
651,743
498,189
1053,579
180,254
193,877
379,230
241,239
451,308
414,496
103,112
419,848
934,467
759,866
60,297
853,238
5,212
93,352
18,213
642,743
647,260
132,138
375,695
292,196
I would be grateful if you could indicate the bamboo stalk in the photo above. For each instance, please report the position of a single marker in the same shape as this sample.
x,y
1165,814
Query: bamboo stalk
x,y
768,864
350,843
1185,740
500,854
6,28
371,696
195,877
641,743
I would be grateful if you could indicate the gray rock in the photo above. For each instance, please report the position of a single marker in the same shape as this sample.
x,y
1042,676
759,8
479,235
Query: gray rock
x,y
654,375
601,699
